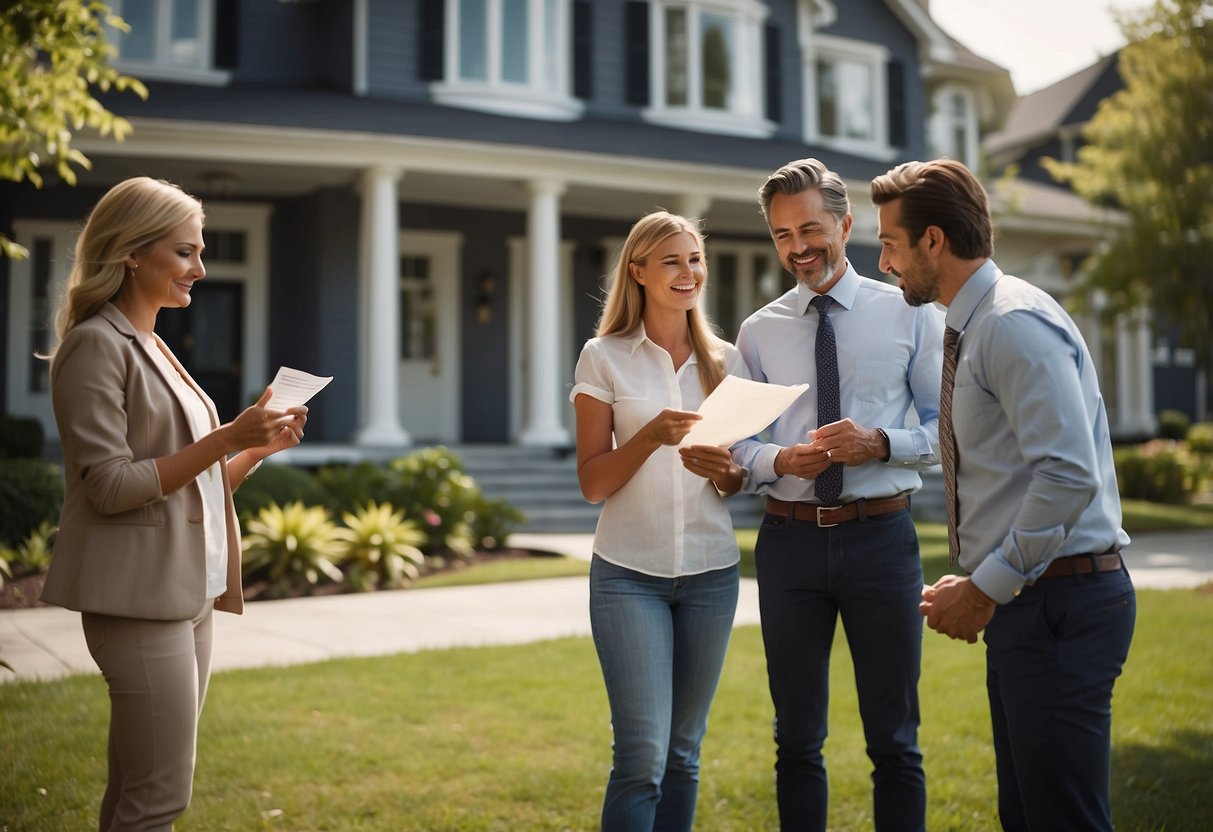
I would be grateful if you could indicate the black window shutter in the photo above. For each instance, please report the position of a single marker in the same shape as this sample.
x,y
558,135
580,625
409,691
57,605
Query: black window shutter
x,y
898,134
583,44
774,99
227,34
430,37
636,53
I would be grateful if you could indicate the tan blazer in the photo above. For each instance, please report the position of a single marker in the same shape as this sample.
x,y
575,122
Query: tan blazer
x,y
125,548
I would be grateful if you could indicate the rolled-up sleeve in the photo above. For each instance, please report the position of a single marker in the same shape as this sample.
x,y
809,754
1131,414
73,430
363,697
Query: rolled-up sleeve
x,y
591,377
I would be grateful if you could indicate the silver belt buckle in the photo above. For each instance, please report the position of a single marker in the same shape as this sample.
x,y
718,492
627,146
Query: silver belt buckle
x,y
822,525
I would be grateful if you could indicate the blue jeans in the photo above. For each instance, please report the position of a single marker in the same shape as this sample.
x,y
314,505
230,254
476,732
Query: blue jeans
x,y
1052,655
661,643
868,572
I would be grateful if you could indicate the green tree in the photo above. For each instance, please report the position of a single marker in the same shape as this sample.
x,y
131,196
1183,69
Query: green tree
x,y
53,55
1149,153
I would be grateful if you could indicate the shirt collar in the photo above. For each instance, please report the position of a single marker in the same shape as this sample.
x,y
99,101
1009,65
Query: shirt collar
x,y
639,336
842,293
970,295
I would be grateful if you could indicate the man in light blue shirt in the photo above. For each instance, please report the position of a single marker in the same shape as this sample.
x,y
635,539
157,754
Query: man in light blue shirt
x,y
840,542
1036,520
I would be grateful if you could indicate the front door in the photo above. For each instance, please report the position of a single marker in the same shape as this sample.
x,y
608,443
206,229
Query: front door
x,y
430,273
207,340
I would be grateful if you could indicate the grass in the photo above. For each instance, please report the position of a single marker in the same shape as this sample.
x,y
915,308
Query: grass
x,y
518,738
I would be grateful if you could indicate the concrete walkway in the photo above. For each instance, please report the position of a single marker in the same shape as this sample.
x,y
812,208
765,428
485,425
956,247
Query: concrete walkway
x,y
47,642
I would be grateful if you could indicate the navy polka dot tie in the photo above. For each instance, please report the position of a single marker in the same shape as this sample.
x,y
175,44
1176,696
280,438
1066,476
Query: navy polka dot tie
x,y
829,481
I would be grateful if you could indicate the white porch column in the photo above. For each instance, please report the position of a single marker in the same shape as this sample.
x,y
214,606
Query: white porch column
x,y
1143,354
379,281
1125,363
543,427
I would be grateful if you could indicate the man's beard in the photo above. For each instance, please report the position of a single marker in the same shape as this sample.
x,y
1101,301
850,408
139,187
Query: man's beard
x,y
819,276
925,287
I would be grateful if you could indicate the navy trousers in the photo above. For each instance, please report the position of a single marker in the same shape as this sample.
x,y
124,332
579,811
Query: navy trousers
x,y
1052,655
869,573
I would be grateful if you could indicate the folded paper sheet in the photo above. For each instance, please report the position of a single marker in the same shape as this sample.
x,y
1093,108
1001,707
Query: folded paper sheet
x,y
738,408
294,387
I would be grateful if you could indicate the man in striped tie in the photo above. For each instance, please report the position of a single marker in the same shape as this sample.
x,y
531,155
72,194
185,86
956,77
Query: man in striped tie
x,y
1036,526
837,541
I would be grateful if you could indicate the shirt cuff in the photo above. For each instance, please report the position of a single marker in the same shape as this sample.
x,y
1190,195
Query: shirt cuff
x,y
997,579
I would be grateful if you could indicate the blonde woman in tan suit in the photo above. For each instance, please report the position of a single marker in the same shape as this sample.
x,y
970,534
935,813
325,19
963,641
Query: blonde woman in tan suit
x,y
148,541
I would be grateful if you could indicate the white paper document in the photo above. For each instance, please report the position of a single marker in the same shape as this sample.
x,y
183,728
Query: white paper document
x,y
294,387
738,408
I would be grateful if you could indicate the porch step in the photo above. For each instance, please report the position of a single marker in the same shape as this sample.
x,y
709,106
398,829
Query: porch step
x,y
542,483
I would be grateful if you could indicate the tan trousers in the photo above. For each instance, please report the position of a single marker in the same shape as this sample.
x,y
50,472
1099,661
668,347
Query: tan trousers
x,y
157,672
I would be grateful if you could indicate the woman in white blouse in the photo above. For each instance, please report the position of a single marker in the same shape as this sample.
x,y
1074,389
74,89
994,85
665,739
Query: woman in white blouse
x,y
663,581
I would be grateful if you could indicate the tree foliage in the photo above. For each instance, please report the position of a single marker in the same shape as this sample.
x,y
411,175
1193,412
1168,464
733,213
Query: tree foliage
x,y
53,55
1149,152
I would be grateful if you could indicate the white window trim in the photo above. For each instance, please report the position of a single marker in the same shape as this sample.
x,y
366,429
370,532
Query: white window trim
x,y
817,47
531,100
943,121
748,118
160,68
62,234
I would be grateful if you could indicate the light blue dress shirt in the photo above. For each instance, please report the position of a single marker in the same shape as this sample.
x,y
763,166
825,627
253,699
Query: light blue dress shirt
x,y
890,358
1035,473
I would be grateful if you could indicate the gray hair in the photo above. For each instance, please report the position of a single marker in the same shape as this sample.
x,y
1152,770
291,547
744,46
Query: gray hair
x,y
801,175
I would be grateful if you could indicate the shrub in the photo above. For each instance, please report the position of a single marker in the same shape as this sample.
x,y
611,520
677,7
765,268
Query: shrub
x,y
33,556
1200,438
1155,471
293,547
492,521
432,488
347,487
381,548
20,437
276,484
31,491
1173,424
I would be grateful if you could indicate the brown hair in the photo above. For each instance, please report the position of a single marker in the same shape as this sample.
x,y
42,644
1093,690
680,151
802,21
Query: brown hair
x,y
942,193
623,309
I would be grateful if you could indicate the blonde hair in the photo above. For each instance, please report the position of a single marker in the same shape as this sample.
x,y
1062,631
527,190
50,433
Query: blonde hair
x,y
131,216
623,309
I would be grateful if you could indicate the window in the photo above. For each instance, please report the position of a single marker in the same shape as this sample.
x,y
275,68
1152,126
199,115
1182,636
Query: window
x,y
169,39
416,309
847,95
509,56
953,125
744,277
707,66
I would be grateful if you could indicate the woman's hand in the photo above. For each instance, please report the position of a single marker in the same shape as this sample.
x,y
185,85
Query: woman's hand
x,y
712,463
262,431
669,426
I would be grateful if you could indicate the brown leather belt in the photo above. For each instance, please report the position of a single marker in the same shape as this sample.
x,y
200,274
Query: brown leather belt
x,y
826,516
1070,565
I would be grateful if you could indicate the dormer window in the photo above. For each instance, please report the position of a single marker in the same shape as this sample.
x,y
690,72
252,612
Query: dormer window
x,y
508,56
847,95
705,67
953,124
168,41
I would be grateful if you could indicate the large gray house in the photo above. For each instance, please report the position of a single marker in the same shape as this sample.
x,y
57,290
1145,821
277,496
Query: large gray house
x,y
421,198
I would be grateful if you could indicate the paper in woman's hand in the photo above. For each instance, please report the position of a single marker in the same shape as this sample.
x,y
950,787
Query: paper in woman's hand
x,y
293,388
738,408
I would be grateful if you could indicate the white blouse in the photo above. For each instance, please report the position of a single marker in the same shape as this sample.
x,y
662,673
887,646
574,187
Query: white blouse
x,y
210,481
665,521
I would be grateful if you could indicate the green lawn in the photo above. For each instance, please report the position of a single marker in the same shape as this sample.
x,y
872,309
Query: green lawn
x,y
517,738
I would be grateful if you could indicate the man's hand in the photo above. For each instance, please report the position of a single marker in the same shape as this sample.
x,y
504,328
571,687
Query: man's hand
x,y
804,461
849,443
955,607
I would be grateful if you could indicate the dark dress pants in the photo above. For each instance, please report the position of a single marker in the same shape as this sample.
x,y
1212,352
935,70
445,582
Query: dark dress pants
x,y
1052,655
868,572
